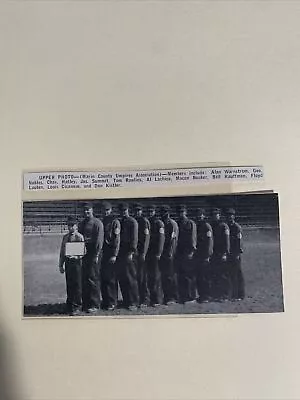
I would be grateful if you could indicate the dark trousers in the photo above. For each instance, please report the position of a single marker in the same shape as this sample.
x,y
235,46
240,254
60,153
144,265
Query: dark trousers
x,y
73,283
168,278
127,277
154,283
236,277
186,278
108,280
90,282
203,277
220,280
142,280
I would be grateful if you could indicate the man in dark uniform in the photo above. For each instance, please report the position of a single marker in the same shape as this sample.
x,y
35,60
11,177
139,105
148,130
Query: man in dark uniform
x,y
166,264
92,230
156,245
221,248
127,274
187,241
111,246
234,257
142,249
203,255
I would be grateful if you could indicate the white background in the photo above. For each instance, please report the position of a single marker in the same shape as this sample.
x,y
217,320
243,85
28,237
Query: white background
x,y
106,84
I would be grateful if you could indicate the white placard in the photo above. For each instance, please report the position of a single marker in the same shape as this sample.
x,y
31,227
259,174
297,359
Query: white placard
x,y
75,249
37,181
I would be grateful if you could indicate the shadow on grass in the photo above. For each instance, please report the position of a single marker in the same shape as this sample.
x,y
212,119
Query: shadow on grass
x,y
59,309
46,309
250,305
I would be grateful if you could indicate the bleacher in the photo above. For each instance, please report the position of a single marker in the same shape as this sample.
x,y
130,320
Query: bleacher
x,y
253,210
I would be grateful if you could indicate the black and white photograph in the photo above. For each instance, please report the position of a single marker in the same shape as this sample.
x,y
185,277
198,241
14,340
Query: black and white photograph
x,y
193,255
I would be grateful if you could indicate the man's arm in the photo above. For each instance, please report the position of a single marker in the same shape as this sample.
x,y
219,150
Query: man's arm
x,y
226,248
146,236
81,227
161,238
116,231
239,235
62,254
133,237
193,237
99,237
209,241
174,239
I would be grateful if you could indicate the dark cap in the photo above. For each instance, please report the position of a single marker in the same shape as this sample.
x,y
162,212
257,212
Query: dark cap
x,y
123,206
200,211
216,211
137,206
165,208
230,211
181,207
88,204
71,220
106,205
152,207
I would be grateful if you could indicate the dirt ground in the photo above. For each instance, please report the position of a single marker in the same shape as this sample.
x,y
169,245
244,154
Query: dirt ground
x,y
45,293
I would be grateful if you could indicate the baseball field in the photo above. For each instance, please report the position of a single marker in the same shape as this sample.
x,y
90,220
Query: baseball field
x,y
45,293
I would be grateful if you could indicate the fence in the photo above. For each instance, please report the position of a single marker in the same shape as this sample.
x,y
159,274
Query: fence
x,y
258,210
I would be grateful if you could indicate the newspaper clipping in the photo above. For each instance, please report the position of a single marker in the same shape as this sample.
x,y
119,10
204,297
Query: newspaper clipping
x,y
150,255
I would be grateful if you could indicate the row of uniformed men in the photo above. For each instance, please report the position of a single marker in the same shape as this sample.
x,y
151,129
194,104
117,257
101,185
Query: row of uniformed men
x,y
155,259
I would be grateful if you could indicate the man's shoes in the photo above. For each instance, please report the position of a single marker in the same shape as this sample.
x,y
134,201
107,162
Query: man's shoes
x,y
190,302
155,305
110,308
143,305
170,302
132,308
92,310
73,311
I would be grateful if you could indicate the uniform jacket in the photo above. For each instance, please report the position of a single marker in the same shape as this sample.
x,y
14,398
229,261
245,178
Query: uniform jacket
x,y
93,233
171,237
204,239
235,238
221,238
69,237
157,236
143,235
112,230
129,235
187,240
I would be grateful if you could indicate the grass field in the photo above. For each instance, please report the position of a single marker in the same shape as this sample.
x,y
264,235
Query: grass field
x,y
44,286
